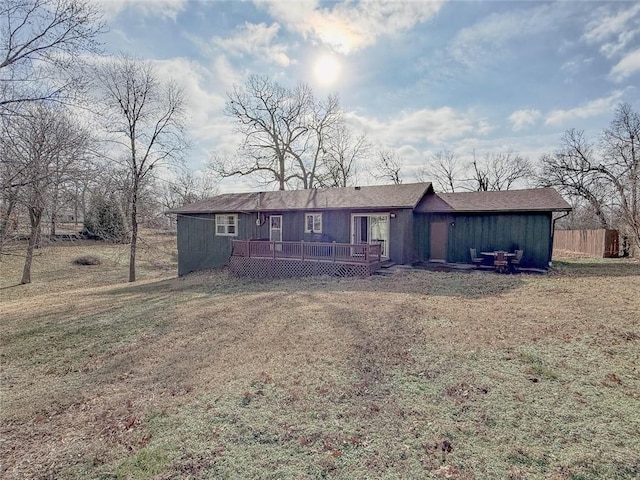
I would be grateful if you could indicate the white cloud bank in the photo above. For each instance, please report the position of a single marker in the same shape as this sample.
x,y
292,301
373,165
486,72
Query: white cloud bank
x,y
473,44
626,67
593,108
256,40
521,119
613,30
349,26
161,8
424,126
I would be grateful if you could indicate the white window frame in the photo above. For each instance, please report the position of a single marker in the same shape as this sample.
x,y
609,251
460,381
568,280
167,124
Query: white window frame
x,y
313,222
385,253
222,221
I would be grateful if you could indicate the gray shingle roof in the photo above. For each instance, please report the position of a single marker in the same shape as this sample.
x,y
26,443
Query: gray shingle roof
x,y
530,200
371,197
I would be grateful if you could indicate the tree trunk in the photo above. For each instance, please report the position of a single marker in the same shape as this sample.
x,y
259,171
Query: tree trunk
x,y
54,210
75,206
134,233
6,218
53,223
35,215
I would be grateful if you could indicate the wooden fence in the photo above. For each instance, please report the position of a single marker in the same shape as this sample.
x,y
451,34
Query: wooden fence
x,y
599,243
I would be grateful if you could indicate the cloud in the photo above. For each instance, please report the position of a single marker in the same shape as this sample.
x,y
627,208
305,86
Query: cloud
x,y
521,119
629,65
593,108
418,127
576,64
613,30
205,91
161,8
350,26
257,40
496,31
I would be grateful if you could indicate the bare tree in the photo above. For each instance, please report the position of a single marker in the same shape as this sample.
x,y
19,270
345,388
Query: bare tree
x,y
570,169
186,187
444,169
283,130
479,180
309,151
64,179
606,175
342,152
145,119
85,178
37,144
40,46
388,166
499,171
620,167
9,192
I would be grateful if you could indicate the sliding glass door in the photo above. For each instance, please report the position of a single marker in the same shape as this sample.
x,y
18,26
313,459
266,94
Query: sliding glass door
x,y
371,228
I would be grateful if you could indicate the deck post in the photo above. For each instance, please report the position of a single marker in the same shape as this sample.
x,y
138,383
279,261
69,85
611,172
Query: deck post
x,y
248,248
366,253
333,251
302,248
273,249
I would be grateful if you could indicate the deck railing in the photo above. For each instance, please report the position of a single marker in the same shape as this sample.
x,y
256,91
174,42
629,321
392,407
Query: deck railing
x,y
360,253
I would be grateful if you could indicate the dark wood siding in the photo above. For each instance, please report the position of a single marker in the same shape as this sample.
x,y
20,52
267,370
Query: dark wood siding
x,y
422,233
530,232
336,227
401,237
199,247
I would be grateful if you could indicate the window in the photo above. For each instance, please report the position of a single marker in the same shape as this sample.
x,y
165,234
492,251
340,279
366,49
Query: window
x,y
313,223
227,225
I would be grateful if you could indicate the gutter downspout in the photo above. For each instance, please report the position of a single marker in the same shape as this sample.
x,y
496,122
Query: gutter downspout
x,y
259,222
553,230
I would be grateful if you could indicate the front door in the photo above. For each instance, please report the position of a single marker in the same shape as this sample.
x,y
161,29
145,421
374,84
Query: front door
x,y
438,241
275,230
371,228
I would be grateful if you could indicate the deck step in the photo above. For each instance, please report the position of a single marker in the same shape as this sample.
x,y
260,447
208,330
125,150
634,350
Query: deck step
x,y
383,273
387,264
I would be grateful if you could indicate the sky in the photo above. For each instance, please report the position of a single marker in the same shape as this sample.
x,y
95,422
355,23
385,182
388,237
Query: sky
x,y
418,77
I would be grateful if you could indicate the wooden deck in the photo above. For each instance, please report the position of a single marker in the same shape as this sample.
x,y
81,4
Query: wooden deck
x,y
261,258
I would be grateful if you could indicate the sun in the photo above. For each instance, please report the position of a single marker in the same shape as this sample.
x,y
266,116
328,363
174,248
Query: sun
x,y
327,70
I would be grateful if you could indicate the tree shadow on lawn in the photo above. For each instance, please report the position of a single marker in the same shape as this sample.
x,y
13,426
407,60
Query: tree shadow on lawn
x,y
219,282
465,284
605,267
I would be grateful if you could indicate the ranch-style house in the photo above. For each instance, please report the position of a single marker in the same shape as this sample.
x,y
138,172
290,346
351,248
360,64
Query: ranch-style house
x,y
353,230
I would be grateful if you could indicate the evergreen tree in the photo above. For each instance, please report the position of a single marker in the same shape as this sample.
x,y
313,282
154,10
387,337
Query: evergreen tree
x,y
105,220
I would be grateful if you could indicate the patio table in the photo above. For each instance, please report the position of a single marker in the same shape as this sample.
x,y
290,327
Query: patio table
x,y
507,256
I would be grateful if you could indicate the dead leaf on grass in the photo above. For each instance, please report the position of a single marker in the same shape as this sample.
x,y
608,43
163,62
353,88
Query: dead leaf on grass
x,y
452,472
463,391
611,380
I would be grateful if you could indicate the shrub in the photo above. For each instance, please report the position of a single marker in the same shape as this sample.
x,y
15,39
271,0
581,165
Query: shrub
x,y
87,260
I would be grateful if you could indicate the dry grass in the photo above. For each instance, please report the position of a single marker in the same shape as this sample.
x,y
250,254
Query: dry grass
x,y
416,375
